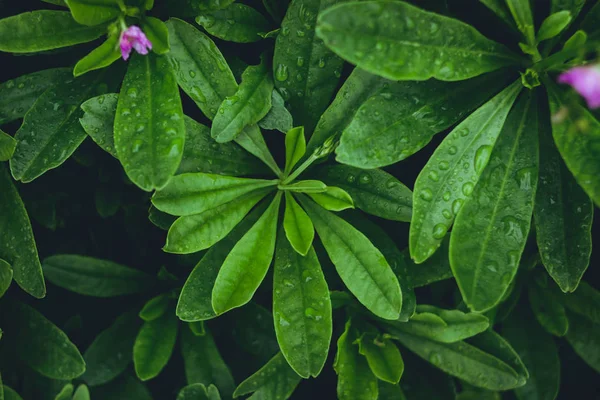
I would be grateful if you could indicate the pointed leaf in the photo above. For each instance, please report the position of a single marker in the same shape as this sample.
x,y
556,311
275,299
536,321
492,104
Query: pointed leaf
x,y
276,380
333,199
554,25
154,345
93,12
308,186
299,229
383,357
155,307
584,301
157,33
236,23
198,391
98,120
102,56
295,147
10,394
584,337
82,393
278,117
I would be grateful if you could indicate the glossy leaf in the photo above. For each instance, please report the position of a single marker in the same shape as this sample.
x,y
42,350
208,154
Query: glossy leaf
x,y
246,266
111,351
438,194
521,12
197,391
102,56
584,301
278,117
361,265
7,146
93,12
197,232
81,393
19,250
199,66
155,307
299,229
236,23
66,393
548,311
94,277
276,380
435,268
203,363
485,252
408,43
149,126
333,199
301,309
539,354
446,326
18,95
98,120
355,379
44,30
6,274
306,72
195,301
295,147
157,33
189,194
554,25
46,349
583,336
250,103
383,357
154,345
402,118
563,217
51,132
375,192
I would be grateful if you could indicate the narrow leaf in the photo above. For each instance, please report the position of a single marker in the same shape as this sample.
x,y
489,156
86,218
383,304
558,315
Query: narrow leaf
x,y
298,227
295,147
333,199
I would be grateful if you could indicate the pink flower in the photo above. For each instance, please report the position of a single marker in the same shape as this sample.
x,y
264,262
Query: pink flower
x,y
134,38
586,81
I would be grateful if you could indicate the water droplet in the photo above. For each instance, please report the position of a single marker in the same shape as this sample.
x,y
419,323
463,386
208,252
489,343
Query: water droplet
x,y
492,267
439,231
426,194
364,178
132,92
506,278
435,358
321,63
482,156
281,74
101,100
463,132
351,178
125,112
447,214
443,165
231,21
192,73
310,312
206,20
300,33
288,283
512,228
467,188
391,184
300,61
285,31
299,77
446,196
434,176
456,205
306,276
452,150
433,27
137,145
283,321
409,23
525,177
21,85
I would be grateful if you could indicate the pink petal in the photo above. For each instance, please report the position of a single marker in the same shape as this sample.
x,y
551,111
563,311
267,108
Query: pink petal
x,y
586,82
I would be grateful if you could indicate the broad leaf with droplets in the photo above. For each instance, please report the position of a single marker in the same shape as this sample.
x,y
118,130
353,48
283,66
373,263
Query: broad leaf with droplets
x,y
98,120
149,126
451,173
399,41
491,230
236,23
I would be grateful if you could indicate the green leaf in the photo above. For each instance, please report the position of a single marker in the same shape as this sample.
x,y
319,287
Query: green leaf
x,y
549,312
195,301
7,146
98,120
276,8
126,386
202,154
485,251
251,139
203,363
489,363
295,147
446,326
539,354
236,23
155,308
301,309
584,301
82,393
577,137
278,117
355,379
383,357
500,8
521,12
198,391
298,227
306,72
197,328
45,349
93,12
94,277
66,393
436,268
51,131
154,345
6,275
111,351
247,106
398,41
590,23
554,25
361,265
584,337
19,250
308,186
246,266
157,33
333,199
18,95
255,333
563,217
375,192
199,66
402,118
10,394
438,194
276,380
44,30
102,56
189,194
577,40
191,8
196,232
149,127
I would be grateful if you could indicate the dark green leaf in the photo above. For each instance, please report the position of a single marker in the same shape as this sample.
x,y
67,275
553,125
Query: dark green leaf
x,y
235,23
521,12
308,186
295,147
93,12
301,309
94,277
584,301
155,308
82,393
276,8
299,229
401,42
44,30
10,394
197,328
584,337
191,8
149,126
198,391
6,274
102,56
438,193
276,380
126,387
157,33
19,250
387,391
435,268
66,393
278,117
383,357
549,312
7,146
98,120
500,8
154,345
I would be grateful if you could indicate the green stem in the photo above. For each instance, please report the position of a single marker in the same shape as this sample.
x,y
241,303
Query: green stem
x,y
562,56
300,169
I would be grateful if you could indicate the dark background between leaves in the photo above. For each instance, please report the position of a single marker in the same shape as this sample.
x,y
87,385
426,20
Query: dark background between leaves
x,y
129,238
